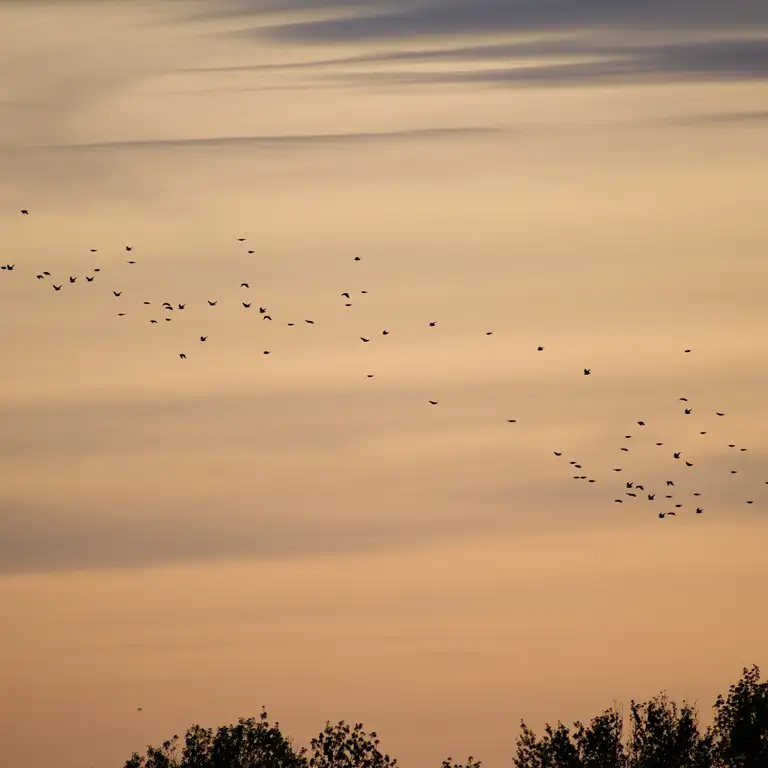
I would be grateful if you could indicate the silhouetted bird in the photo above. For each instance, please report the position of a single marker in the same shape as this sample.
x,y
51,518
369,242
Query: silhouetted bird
x,y
269,317
617,470
512,421
203,338
311,322
432,402
699,510
540,349
89,279
357,258
557,453
587,371
72,279
345,295
240,239
688,464
719,414
128,248
212,303
385,332
651,496
669,482
153,321
131,262
246,304
641,423
244,285
118,293
266,352
625,449
183,356
433,324
181,306
40,277
685,399
250,251
56,287
688,410
25,212
629,484
362,339
676,455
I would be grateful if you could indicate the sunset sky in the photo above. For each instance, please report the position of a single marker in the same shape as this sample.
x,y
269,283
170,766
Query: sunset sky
x,y
202,537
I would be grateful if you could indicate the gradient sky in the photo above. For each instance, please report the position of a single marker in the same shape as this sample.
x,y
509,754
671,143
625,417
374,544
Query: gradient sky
x,y
201,537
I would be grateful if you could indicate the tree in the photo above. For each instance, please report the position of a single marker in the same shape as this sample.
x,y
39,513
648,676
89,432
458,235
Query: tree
x,y
740,732
247,744
340,746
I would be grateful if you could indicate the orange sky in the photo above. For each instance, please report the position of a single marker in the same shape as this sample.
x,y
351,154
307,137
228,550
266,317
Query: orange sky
x,y
201,537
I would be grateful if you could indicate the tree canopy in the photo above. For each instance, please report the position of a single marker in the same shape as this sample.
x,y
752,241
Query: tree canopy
x,y
656,734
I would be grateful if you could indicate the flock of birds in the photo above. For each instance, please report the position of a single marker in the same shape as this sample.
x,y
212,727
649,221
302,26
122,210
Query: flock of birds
x,y
631,490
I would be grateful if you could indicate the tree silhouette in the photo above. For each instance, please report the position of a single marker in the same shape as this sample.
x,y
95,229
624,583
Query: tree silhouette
x,y
659,735
740,732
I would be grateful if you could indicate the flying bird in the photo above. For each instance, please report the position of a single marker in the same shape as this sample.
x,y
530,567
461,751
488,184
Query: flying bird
x,y
433,324
719,414
345,295
118,293
433,402
244,285
182,356
246,304
203,338
25,212
56,287
540,349
676,455
357,258
587,371
699,510
641,423
362,339
72,279
212,303
89,279
688,411
128,248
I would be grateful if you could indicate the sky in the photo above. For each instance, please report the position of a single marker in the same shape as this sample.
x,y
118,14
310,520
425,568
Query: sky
x,y
200,537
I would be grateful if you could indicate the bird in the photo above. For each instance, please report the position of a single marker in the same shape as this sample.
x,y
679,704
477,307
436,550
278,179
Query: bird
x,y
182,356
688,464
357,258
262,310
94,250
587,371
629,484
246,304
662,515
659,443
89,279
345,295
625,449
212,303
734,471
617,470
311,322
363,339
385,332
750,502
131,262
688,411
25,212
539,349
719,414
10,267
618,501
641,423
240,239
47,273
251,251
651,496
671,513
433,324
266,352
203,338
121,314
699,510
139,709
72,279
244,285
669,482
269,317
640,487
128,248
685,399
181,306
369,375
153,321
676,455
557,453
56,287
631,494
489,333
118,293
512,421
433,402
687,350
40,277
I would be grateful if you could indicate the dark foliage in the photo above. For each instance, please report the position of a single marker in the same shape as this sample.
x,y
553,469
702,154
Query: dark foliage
x,y
659,735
